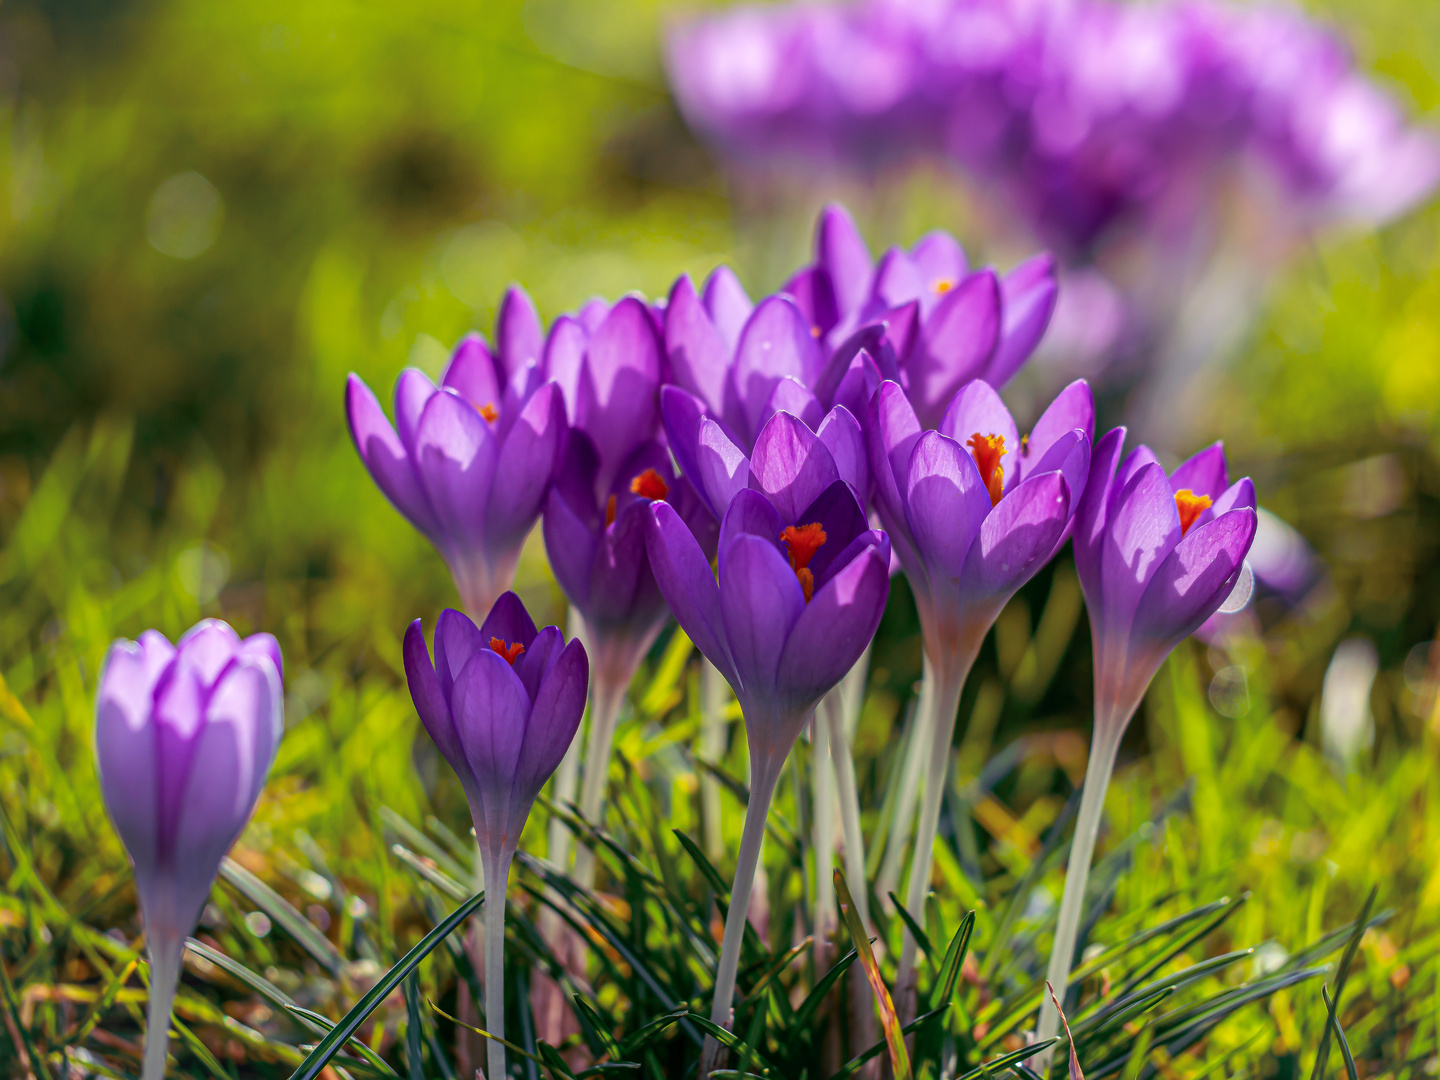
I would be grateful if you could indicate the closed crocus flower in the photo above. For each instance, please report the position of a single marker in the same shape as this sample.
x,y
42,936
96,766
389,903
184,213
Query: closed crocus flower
x,y
1157,556
502,702
615,465
469,462
973,510
184,738
802,583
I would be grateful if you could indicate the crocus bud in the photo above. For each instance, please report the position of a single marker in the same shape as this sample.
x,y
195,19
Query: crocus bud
x,y
184,737
502,702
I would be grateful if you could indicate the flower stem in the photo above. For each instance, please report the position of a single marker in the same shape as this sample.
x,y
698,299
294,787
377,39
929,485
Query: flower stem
x,y
822,774
832,716
165,951
1103,749
888,880
498,876
945,704
714,692
764,774
606,699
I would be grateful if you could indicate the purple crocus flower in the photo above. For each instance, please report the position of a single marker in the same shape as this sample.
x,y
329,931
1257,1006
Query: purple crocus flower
x,y
969,528
1157,555
802,583
616,464
184,738
502,702
469,463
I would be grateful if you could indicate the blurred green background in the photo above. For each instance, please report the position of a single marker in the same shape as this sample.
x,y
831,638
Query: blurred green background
x,y
211,212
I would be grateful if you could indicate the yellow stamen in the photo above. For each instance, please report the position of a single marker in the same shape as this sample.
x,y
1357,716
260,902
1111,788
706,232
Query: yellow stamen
x,y
988,450
943,286
802,542
511,652
1190,506
489,412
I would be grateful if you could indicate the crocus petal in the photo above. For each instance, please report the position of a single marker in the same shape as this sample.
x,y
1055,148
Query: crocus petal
x,y
534,663
696,352
688,584
559,704
525,464
490,708
1028,293
956,344
810,289
1144,528
837,511
1017,538
721,468
455,457
565,359
592,313
263,645
791,465
457,639
570,545
729,307
620,571
472,374
1195,578
517,331
1073,407
413,391
1070,456
509,621
208,648
619,394
858,386
1092,515
682,412
946,502
775,342
792,397
125,743
834,628
978,410
1204,474
1240,493
385,456
940,263
750,513
868,339
1134,461
890,438
840,433
902,330
897,280
841,251
430,700
760,599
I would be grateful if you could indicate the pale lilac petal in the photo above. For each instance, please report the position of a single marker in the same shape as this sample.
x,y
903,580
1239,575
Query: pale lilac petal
x,y
1028,293
834,629
776,342
858,386
957,342
696,352
1240,493
791,465
564,360
526,461
385,456
472,374
1017,538
1070,456
208,647
517,331
760,599
946,502
125,744
413,391
890,438
897,280
264,645
978,410
619,401
1195,578
729,307
593,313
940,263
792,397
840,433
723,469
843,254
688,584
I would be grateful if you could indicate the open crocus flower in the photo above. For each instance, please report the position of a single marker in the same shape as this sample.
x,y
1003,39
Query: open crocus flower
x,y
973,510
595,516
1157,555
468,463
802,585
184,737
502,702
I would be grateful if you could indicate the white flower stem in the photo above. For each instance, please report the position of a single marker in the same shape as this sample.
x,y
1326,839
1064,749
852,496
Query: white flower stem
x,y
832,717
498,875
763,776
714,694
165,951
606,700
945,703
822,775
1103,748
888,879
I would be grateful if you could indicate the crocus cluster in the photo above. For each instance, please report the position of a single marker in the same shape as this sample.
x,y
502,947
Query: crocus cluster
x,y
184,738
1088,116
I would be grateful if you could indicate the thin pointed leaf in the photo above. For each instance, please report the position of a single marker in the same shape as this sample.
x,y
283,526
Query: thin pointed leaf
x,y
921,938
816,997
954,960
1075,1072
851,1067
1346,959
889,1020
1012,1058
305,933
1344,1043
327,1025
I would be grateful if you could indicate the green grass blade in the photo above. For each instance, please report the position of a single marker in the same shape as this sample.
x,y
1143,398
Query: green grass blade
x,y
889,1019
320,1056
854,1065
1347,958
921,938
328,1025
1012,1058
954,960
816,997
1344,1043
280,910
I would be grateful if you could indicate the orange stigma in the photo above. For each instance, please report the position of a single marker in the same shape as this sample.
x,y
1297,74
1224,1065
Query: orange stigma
x,y
650,485
490,412
1191,506
511,653
802,542
988,450
815,331
610,512
943,286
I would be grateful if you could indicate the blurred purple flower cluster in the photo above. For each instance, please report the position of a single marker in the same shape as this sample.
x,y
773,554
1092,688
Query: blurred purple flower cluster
x,y
1089,117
